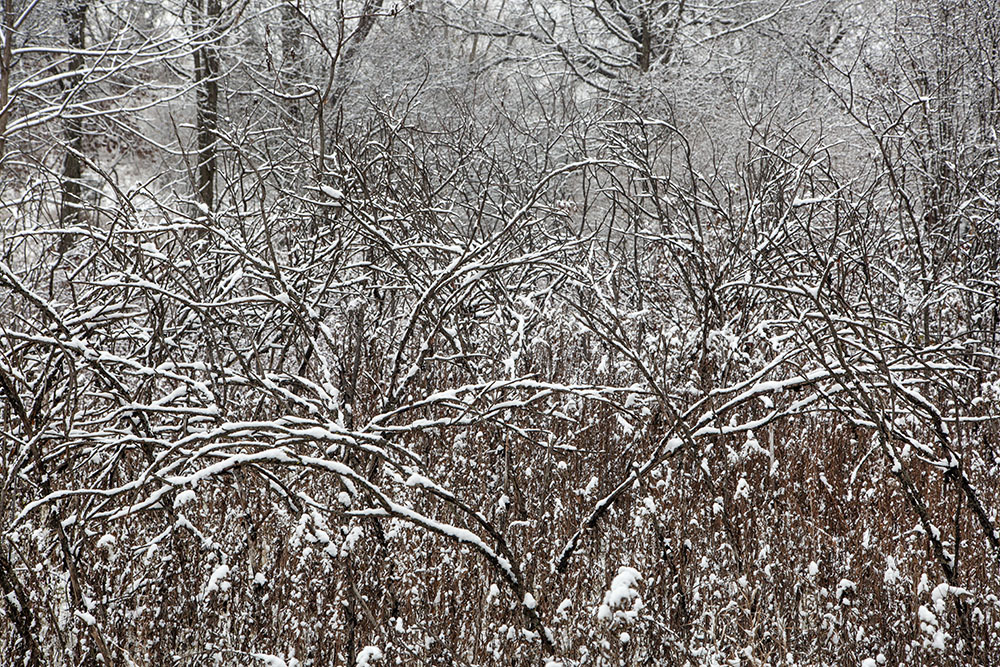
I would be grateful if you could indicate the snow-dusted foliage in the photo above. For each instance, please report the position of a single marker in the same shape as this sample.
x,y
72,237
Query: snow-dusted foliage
x,y
567,333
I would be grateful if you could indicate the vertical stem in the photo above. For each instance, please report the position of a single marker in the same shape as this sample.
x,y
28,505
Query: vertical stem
x,y
6,59
291,53
74,15
206,67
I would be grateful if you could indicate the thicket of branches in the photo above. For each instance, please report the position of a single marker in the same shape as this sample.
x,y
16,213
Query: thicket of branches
x,y
473,333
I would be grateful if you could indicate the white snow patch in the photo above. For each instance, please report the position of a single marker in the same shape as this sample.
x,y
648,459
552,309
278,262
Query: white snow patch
x,y
844,586
622,591
420,480
926,615
369,654
891,571
217,581
332,193
184,497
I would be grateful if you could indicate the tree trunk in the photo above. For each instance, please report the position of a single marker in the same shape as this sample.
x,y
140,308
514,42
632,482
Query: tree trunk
x,y
291,55
74,16
6,60
206,68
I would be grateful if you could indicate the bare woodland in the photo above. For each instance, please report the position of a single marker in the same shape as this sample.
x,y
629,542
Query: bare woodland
x,y
499,332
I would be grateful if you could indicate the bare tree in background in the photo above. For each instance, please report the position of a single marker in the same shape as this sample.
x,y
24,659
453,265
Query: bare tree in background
x,y
206,73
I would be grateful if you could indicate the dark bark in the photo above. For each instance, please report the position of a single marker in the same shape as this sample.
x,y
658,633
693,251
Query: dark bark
x,y
206,68
74,16
6,60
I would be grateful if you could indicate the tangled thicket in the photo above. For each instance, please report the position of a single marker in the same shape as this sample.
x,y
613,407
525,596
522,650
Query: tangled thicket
x,y
499,333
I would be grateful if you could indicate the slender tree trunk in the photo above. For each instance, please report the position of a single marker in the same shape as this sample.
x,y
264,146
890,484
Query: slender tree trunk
x,y
645,42
291,54
6,60
206,67
74,15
